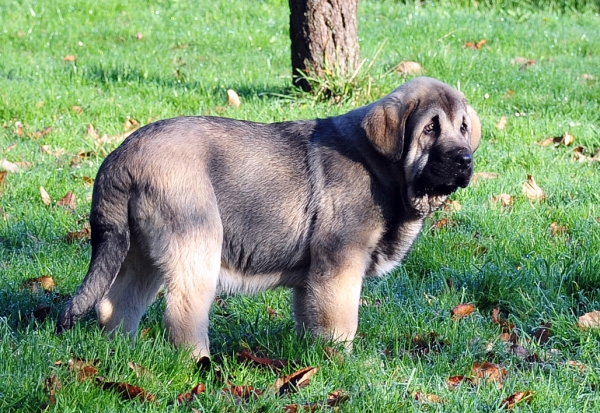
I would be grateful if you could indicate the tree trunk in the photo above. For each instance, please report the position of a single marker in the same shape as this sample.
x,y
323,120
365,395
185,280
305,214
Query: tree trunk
x,y
324,38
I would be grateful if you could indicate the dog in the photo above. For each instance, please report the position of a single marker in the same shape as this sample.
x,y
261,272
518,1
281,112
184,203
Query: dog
x,y
204,205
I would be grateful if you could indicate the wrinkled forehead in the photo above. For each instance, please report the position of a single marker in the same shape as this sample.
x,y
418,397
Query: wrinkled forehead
x,y
447,104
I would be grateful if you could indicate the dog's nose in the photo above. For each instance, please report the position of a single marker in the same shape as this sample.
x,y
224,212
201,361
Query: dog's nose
x,y
463,159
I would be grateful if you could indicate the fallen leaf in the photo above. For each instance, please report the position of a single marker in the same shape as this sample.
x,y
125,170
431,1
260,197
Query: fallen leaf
x,y
2,177
69,58
10,167
242,392
45,283
88,180
45,197
47,149
566,139
588,77
188,397
334,399
125,390
428,343
247,356
483,175
576,365
427,398
83,369
505,200
451,205
233,99
579,154
68,201
501,123
85,233
138,370
19,130
589,320
11,147
523,62
475,45
294,381
408,68
51,385
443,222
272,313
131,124
489,371
139,36
455,381
518,397
38,134
90,130
556,229
532,190
462,310
77,109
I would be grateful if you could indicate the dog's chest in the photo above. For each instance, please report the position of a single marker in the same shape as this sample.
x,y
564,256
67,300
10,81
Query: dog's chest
x,y
393,247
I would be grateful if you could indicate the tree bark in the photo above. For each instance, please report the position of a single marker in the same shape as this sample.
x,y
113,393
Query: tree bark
x,y
324,38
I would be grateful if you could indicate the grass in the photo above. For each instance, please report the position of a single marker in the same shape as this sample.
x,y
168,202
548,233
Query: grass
x,y
189,54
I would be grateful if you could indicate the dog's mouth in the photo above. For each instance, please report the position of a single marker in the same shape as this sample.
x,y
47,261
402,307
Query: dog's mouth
x,y
434,185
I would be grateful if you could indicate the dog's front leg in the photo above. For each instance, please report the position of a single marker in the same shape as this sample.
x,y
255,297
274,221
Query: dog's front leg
x,y
327,305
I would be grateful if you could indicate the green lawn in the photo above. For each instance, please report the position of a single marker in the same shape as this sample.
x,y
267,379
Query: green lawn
x,y
147,60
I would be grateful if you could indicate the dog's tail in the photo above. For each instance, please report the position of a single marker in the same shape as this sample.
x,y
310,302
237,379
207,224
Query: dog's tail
x,y
110,240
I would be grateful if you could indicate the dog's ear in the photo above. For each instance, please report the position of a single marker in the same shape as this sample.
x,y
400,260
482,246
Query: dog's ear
x,y
385,125
475,127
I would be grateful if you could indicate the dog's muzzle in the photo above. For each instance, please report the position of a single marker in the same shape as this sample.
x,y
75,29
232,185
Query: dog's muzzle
x,y
445,172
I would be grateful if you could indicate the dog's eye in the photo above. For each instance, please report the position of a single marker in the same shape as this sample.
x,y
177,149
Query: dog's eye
x,y
430,127
464,128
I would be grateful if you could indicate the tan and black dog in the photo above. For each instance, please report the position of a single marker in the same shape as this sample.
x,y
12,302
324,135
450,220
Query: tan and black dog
x,y
206,204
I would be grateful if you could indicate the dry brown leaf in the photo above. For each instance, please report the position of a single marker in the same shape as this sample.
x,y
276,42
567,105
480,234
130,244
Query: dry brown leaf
x,y
532,190
408,68
501,123
483,175
589,320
2,177
131,124
523,62
475,45
334,399
188,397
272,313
125,390
138,370
489,371
68,201
294,381
10,167
233,99
427,398
505,200
586,77
247,356
508,333
45,283
556,229
47,149
69,58
51,385
38,134
84,233
83,369
462,310
565,139
45,197
455,381
242,392
19,130
77,109
90,130
519,397
428,343
542,333
451,205
576,365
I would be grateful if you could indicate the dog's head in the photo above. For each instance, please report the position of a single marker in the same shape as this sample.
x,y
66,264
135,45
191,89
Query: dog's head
x,y
429,128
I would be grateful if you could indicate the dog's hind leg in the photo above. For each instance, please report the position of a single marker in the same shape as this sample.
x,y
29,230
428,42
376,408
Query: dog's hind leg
x,y
191,277
133,290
